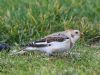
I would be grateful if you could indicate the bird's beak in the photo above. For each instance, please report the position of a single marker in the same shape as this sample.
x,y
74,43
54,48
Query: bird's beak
x,y
81,34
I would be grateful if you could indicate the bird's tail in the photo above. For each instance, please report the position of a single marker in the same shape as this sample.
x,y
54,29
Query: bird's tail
x,y
15,52
23,51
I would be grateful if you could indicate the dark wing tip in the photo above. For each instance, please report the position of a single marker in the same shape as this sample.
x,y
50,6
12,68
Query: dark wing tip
x,y
37,45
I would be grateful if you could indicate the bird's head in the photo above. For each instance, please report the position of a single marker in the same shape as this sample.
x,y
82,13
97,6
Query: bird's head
x,y
74,34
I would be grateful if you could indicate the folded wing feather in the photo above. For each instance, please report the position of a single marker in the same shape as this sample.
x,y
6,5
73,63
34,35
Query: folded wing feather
x,y
46,41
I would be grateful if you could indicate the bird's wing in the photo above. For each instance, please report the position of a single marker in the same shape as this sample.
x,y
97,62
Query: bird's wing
x,y
46,41
58,34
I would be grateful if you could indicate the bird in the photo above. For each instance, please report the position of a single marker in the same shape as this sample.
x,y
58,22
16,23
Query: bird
x,y
61,41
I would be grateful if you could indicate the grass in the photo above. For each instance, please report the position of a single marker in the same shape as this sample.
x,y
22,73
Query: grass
x,y
22,21
87,63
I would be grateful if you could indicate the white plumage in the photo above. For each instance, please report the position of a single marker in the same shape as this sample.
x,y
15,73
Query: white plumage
x,y
56,42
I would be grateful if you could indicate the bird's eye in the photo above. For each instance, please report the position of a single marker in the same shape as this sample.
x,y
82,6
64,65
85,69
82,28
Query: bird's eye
x,y
76,32
67,38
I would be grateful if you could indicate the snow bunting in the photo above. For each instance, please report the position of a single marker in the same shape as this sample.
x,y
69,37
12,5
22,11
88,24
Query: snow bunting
x,y
56,42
